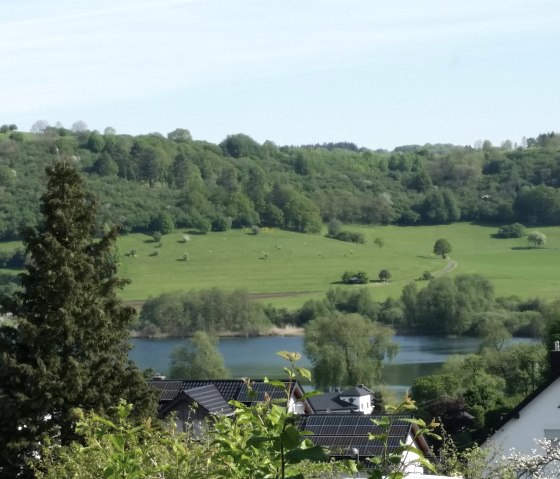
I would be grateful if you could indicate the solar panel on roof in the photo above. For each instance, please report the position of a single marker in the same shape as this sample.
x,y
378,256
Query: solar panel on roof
x,y
210,398
168,389
340,433
258,391
229,389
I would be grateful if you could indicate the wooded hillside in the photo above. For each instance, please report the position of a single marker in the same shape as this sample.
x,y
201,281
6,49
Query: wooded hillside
x,y
152,182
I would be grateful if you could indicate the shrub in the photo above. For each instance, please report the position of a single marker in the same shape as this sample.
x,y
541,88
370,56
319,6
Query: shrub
x,y
384,275
255,230
349,236
515,230
156,235
351,277
426,276
164,223
334,228
12,259
203,225
221,223
536,239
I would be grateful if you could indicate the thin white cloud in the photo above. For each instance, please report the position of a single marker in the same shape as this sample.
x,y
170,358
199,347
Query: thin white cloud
x,y
70,55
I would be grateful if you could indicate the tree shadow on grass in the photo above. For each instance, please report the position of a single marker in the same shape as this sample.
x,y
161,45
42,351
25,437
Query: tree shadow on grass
x,y
424,256
521,248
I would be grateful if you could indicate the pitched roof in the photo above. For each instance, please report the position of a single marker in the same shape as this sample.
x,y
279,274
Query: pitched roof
x,y
258,392
331,402
356,391
210,398
167,389
514,413
341,433
229,389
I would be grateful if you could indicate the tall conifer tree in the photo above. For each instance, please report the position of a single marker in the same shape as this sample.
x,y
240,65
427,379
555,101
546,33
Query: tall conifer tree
x,y
69,346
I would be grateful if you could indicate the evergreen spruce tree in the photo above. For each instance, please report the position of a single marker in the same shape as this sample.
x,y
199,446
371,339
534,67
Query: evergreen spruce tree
x,y
69,346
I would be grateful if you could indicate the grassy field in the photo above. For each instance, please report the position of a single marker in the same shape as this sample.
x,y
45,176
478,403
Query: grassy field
x,y
276,263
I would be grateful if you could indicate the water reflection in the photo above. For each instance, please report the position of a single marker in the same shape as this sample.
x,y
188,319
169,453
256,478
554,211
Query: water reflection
x,y
255,357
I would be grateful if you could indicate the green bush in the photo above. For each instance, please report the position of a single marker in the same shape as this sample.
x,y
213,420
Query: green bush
x,y
221,223
12,259
351,277
164,223
515,230
349,236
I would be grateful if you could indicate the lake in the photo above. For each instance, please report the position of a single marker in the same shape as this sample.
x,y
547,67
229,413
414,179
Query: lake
x,y
255,357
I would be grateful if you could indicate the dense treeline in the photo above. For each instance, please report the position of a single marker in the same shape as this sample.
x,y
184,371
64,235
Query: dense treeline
x,y
460,305
241,183
212,310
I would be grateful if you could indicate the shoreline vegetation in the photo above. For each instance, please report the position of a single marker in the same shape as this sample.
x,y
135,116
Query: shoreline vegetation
x,y
286,331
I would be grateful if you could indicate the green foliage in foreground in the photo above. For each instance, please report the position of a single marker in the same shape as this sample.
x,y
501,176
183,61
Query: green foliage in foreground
x,y
263,440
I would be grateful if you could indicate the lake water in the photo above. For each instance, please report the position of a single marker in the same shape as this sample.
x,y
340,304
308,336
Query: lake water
x,y
256,358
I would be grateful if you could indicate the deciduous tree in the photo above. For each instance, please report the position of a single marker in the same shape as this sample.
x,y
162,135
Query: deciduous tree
x,y
199,360
384,275
536,239
347,349
442,247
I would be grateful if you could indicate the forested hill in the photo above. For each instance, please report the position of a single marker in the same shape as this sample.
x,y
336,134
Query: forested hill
x,y
152,182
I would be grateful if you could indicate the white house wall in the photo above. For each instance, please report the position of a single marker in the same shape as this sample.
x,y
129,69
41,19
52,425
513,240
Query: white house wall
x,y
542,413
295,406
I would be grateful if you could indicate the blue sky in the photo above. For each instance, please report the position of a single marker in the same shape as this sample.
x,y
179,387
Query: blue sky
x,y
379,73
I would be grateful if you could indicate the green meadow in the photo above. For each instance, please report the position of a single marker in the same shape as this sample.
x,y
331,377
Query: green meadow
x,y
275,264
286,268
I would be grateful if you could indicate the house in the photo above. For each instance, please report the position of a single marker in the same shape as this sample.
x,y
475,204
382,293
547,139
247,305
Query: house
x,y
347,436
352,400
536,417
341,421
192,401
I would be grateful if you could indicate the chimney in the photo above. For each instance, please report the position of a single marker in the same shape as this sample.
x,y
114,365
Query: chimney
x,y
554,358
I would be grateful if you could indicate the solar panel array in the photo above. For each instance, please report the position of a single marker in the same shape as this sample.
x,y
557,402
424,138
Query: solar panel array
x,y
259,391
210,398
229,389
168,389
340,433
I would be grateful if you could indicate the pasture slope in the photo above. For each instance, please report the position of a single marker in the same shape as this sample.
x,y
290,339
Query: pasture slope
x,y
286,268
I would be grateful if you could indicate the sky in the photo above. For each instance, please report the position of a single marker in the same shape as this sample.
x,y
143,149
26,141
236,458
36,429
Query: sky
x,y
379,73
